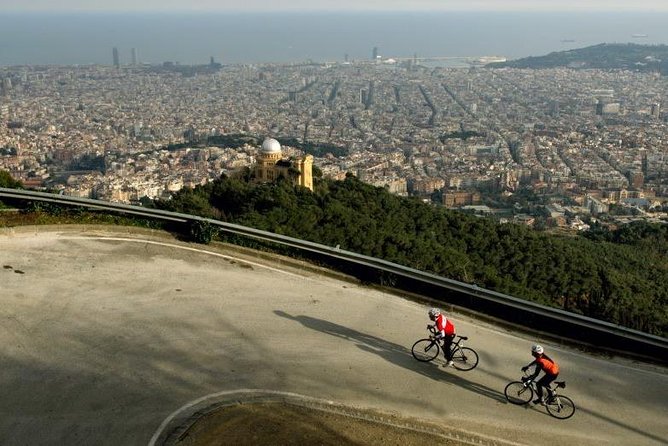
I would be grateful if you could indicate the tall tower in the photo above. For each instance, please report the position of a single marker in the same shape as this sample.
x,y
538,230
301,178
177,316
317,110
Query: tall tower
x,y
134,56
305,167
656,110
374,53
6,85
643,162
117,62
363,96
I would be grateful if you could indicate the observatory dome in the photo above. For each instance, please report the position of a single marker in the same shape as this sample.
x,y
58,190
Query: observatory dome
x,y
270,145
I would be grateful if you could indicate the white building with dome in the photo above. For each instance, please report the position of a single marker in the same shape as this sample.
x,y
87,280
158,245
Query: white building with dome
x,y
271,165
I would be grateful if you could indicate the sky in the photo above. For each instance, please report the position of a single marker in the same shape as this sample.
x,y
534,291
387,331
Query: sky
x,y
332,5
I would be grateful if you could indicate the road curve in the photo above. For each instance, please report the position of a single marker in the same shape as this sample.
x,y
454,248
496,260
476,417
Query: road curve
x,y
104,335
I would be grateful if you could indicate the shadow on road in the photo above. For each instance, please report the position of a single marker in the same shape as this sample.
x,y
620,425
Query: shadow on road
x,y
394,353
401,356
642,433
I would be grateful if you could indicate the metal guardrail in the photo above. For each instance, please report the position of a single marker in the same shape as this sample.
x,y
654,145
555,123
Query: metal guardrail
x,y
512,309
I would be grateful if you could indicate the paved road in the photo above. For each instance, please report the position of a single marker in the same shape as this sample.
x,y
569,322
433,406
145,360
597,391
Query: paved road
x,y
104,335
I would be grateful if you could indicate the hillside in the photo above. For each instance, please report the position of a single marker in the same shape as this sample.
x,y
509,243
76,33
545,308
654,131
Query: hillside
x,y
607,56
620,277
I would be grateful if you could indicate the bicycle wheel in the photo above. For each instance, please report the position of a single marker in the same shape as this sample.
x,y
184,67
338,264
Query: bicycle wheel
x,y
465,359
517,393
560,406
425,350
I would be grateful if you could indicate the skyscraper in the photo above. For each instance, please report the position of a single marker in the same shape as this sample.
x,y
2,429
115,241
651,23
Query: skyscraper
x,y
656,110
134,56
363,96
6,85
374,53
117,62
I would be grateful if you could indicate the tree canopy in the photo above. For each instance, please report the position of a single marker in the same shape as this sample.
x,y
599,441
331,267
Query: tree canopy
x,y
6,180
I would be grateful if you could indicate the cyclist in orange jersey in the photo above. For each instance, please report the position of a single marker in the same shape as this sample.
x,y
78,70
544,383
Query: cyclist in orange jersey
x,y
543,363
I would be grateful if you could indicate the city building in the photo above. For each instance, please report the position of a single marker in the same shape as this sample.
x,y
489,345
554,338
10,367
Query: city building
x,y
117,61
656,110
396,127
460,198
270,165
636,179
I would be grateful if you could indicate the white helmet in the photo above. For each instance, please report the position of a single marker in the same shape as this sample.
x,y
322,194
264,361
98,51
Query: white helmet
x,y
434,312
537,349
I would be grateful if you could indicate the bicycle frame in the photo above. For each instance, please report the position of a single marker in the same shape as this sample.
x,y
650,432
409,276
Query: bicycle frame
x,y
551,389
521,392
441,343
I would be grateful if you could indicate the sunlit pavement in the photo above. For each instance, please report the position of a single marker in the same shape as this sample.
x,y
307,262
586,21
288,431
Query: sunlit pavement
x,y
103,335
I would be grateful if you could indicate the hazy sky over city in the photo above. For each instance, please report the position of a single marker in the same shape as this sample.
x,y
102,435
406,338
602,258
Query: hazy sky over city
x,y
334,5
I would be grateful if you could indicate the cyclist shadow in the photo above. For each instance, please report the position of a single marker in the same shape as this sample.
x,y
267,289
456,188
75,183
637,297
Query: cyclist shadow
x,y
394,353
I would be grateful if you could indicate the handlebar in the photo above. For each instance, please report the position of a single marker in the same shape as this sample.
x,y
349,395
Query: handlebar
x,y
527,379
432,329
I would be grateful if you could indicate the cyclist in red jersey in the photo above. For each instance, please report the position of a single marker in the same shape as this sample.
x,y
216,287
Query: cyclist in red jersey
x,y
543,363
445,330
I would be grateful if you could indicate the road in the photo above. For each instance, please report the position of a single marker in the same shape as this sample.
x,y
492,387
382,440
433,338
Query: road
x,y
104,335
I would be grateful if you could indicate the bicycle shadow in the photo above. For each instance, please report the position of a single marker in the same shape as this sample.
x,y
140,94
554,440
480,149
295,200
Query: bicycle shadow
x,y
393,353
601,416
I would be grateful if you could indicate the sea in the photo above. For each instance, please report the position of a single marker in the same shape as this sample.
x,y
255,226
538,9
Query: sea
x,y
256,38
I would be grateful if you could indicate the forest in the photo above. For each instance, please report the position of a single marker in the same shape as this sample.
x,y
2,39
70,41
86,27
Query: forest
x,y
618,276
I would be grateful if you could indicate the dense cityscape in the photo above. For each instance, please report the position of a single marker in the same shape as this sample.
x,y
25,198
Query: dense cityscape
x,y
574,144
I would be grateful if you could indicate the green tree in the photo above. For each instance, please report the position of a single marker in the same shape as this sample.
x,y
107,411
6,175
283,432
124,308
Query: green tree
x,y
6,180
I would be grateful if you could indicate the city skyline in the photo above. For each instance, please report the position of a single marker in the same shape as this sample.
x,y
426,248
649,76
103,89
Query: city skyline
x,y
332,5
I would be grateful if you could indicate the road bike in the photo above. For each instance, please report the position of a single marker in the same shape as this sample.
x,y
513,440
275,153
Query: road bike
x,y
463,358
522,392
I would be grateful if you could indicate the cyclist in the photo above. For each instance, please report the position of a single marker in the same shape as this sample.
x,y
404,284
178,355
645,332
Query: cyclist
x,y
546,364
445,330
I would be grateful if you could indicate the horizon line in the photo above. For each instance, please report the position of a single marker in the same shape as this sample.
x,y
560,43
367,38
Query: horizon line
x,y
584,9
